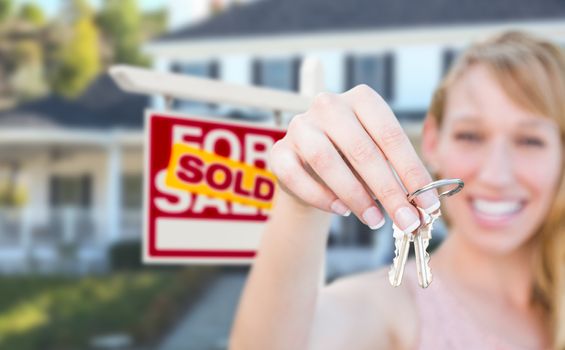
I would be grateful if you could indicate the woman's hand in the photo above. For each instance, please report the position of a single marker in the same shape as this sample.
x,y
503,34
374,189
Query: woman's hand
x,y
334,157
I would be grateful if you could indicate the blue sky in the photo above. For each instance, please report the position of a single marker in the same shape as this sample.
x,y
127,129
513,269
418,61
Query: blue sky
x,y
52,6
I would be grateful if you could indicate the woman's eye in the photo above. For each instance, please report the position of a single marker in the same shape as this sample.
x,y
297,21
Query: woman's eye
x,y
468,136
531,141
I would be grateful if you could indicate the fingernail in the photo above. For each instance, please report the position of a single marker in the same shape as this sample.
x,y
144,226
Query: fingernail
x,y
379,225
406,220
373,218
340,208
429,202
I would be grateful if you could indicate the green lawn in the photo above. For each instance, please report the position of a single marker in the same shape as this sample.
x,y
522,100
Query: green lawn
x,y
39,312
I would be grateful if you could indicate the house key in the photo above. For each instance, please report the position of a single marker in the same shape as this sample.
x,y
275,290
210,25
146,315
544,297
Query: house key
x,y
420,237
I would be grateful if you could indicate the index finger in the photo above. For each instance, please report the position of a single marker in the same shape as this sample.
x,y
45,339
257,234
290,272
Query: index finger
x,y
381,124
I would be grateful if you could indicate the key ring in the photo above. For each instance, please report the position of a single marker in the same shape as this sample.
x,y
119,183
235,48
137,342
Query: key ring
x,y
437,184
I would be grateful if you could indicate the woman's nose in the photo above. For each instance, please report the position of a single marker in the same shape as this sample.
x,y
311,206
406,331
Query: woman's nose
x,y
496,169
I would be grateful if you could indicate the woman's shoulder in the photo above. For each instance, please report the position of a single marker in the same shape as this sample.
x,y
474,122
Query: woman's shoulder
x,y
370,293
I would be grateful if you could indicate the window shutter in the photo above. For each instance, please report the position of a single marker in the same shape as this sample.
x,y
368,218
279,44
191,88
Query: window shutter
x,y
176,67
257,79
214,69
349,72
449,56
54,191
296,62
86,191
388,61
213,73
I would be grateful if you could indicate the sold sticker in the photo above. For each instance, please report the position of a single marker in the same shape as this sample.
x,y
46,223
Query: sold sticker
x,y
206,173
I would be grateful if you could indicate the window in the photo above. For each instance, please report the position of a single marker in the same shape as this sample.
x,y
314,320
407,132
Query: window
x,y
132,189
377,71
449,57
199,69
73,191
279,74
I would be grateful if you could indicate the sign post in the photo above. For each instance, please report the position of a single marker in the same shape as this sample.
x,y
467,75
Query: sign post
x,y
207,185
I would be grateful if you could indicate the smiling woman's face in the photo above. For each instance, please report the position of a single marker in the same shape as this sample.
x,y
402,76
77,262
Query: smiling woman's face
x,y
508,157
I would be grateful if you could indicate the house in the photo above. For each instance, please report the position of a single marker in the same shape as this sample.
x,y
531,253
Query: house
x,y
77,168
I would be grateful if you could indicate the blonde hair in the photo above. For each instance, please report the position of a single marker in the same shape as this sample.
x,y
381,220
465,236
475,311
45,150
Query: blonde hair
x,y
532,72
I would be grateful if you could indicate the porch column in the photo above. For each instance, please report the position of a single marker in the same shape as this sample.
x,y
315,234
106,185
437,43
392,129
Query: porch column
x,y
26,216
113,193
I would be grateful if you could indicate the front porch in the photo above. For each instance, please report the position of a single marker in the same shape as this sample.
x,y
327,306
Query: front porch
x,y
81,194
71,240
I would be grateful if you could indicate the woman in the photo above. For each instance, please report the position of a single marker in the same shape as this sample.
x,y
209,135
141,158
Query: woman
x,y
497,122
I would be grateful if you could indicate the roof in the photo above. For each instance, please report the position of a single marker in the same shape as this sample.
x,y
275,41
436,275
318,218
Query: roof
x,y
103,105
268,17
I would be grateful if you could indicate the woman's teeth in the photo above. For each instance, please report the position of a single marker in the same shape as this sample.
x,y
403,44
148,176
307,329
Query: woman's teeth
x,y
498,208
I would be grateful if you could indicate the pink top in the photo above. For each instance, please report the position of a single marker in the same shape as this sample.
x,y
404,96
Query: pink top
x,y
444,322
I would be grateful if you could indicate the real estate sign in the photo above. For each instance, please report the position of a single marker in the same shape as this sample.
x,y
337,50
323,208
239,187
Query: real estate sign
x,y
208,189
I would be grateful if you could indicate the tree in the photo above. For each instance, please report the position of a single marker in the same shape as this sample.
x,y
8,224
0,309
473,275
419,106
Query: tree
x,y
32,13
154,24
5,9
73,10
28,78
120,21
79,59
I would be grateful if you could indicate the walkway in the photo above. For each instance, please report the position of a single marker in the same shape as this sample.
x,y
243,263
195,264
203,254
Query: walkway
x,y
208,324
